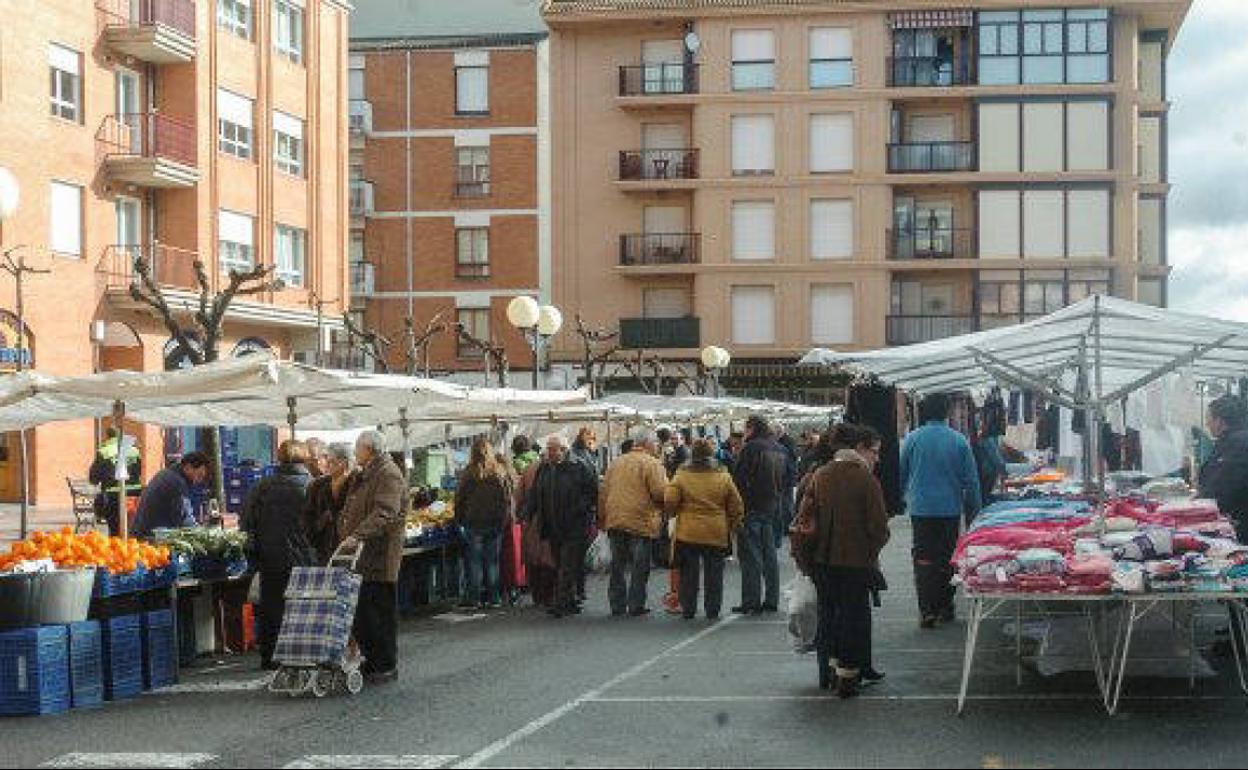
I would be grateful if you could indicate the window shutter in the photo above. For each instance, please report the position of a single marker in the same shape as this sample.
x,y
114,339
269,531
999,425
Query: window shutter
x,y
1087,125
64,59
233,108
753,315
832,314
666,303
1088,211
1043,148
999,224
998,137
1044,223
235,228
65,219
662,52
753,45
754,230
287,124
831,43
753,144
832,142
831,229
472,89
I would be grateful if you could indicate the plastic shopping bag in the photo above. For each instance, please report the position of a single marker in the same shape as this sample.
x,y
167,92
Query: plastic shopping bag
x,y
803,614
598,557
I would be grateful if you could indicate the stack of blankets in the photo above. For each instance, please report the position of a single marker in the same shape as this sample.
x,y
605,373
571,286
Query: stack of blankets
x,y
1129,545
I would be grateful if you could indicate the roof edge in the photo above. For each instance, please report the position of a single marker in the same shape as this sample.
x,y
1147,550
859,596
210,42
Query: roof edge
x,y
424,42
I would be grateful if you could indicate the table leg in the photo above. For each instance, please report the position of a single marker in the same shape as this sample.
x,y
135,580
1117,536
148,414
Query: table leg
x,y
1096,619
1235,611
1018,644
968,659
1121,674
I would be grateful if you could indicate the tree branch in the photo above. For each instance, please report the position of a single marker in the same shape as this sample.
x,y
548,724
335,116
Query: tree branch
x,y
148,293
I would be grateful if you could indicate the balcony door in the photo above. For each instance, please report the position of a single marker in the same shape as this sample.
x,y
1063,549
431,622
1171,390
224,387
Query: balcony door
x,y
664,228
664,65
129,231
922,129
130,108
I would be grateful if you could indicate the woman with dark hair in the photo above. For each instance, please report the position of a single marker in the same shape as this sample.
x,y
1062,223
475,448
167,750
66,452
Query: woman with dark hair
x,y
483,505
846,521
1224,476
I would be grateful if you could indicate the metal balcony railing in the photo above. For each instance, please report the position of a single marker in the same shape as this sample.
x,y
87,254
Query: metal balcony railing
x,y
360,116
645,165
660,333
927,71
170,267
931,243
176,14
658,79
920,157
363,279
660,249
150,135
913,329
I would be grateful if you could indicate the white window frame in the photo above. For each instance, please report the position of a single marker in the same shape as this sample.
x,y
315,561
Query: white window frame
x,y
472,252
288,147
468,109
235,254
288,29
290,249
65,82
62,240
475,174
237,16
234,138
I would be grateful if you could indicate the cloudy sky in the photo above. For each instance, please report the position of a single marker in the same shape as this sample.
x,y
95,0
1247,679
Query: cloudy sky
x,y
1208,86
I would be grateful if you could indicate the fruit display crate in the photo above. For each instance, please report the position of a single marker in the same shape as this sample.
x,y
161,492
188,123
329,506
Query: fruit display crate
x,y
123,656
160,653
86,664
108,585
34,671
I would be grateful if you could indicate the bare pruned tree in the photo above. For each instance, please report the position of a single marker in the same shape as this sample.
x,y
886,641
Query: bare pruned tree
x,y
641,366
417,345
368,342
494,355
595,356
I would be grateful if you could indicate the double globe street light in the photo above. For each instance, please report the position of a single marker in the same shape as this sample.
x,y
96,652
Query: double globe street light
x,y
715,360
538,323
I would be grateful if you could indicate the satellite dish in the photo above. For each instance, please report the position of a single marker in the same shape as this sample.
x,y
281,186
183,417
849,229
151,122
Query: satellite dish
x,y
693,42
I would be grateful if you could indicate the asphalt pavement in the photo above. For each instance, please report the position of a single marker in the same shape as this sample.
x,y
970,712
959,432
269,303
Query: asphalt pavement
x,y
517,688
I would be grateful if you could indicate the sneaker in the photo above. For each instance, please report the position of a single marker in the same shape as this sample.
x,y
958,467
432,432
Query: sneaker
x,y
870,676
641,612
928,622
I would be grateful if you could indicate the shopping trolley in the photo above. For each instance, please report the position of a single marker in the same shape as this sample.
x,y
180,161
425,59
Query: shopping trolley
x,y
314,650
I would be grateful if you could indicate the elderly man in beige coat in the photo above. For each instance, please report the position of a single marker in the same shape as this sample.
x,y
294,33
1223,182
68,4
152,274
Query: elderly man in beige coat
x,y
630,510
373,516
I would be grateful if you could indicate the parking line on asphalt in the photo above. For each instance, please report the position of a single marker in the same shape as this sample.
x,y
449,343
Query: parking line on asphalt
x,y
501,745
79,759
1050,697
381,761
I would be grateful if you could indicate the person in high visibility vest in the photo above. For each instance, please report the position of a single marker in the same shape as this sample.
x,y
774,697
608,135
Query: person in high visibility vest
x,y
104,473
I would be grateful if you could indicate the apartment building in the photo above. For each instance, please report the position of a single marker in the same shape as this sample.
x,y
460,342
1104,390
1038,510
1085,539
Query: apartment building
x,y
450,205
772,175
178,131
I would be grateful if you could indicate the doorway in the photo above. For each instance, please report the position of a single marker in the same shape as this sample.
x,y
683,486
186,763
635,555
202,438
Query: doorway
x,y
130,108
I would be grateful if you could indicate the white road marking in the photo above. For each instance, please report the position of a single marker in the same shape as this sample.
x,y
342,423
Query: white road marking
x,y
453,617
374,761
248,685
1053,697
83,759
791,654
499,746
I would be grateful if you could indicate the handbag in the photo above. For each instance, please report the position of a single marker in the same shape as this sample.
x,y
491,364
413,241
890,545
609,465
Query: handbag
x,y
803,539
536,549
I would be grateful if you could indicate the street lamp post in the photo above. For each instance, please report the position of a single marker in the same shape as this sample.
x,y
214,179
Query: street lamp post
x,y
715,359
538,323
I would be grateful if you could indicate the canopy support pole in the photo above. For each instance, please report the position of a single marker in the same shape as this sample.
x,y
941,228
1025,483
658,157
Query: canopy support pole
x,y
292,416
606,416
1100,396
1161,371
1013,375
405,428
123,517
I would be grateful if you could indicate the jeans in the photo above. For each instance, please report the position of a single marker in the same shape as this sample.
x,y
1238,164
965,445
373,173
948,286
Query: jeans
x,y
757,543
935,540
630,571
481,556
569,557
692,560
272,607
788,510
844,634
376,627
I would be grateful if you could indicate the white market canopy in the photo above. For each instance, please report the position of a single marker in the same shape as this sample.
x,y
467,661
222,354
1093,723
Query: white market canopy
x,y
1086,356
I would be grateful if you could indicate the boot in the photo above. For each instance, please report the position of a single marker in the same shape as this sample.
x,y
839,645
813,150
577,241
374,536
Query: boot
x,y
847,684
825,669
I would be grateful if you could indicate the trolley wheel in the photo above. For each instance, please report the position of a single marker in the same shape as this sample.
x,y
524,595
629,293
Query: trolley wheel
x,y
355,682
322,683
302,682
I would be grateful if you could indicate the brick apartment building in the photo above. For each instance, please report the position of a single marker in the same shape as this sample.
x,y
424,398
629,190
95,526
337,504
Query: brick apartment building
x,y
176,130
449,206
774,175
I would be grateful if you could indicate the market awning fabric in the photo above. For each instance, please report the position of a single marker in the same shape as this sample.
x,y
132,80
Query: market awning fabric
x,y
1092,353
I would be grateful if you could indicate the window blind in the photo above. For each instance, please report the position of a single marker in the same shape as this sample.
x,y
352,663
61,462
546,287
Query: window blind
x,y
65,219
832,142
753,45
754,230
753,315
999,224
832,314
234,108
235,228
831,229
1044,224
1088,215
64,59
753,144
831,43
287,124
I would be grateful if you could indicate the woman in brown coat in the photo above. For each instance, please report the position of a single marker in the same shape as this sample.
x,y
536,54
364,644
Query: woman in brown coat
x,y
845,512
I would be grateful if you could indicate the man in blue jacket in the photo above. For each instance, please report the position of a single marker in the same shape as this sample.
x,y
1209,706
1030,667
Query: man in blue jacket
x,y
941,482
166,502
760,474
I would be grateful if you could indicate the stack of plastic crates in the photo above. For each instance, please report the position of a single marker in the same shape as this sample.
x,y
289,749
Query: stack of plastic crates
x,y
86,664
160,653
123,657
34,671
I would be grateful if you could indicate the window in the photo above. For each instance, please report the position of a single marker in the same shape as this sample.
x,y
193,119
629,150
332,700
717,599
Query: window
x,y
472,82
831,143
235,15
1151,72
1000,224
831,229
288,143
472,252
65,220
234,124
753,145
753,315
288,29
831,57
65,75
476,322
754,230
1149,153
290,246
472,172
999,139
1044,224
1043,145
1044,136
356,246
1087,126
831,314
1087,222
355,79
1012,296
235,241
1150,243
1044,46
753,60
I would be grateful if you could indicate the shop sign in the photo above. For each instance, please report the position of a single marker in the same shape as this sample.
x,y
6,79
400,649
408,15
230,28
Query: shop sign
x,y
11,340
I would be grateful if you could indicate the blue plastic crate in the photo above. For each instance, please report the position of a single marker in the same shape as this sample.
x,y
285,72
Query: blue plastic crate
x,y
123,656
86,664
160,653
107,585
162,577
34,671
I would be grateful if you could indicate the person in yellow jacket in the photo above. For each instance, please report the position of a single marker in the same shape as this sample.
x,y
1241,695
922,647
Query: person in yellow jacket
x,y
707,509
630,511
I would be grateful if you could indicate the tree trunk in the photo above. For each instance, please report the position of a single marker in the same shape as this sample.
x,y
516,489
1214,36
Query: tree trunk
x,y
213,434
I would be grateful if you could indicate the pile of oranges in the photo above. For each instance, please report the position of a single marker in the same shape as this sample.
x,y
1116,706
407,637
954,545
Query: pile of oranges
x,y
92,549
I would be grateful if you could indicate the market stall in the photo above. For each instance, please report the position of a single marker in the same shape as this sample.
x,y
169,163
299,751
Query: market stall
x,y
1117,559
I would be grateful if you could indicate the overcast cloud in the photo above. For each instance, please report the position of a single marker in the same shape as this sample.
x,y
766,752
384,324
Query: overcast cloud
x,y
1208,165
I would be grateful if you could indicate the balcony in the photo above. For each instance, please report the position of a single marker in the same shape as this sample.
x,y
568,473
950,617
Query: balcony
x,y
655,249
363,281
153,31
913,329
149,150
928,157
658,165
659,80
361,199
660,333
360,118
170,267
931,243
927,72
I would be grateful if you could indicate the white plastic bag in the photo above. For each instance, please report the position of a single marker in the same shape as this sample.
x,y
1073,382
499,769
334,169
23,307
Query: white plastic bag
x,y
598,557
803,613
